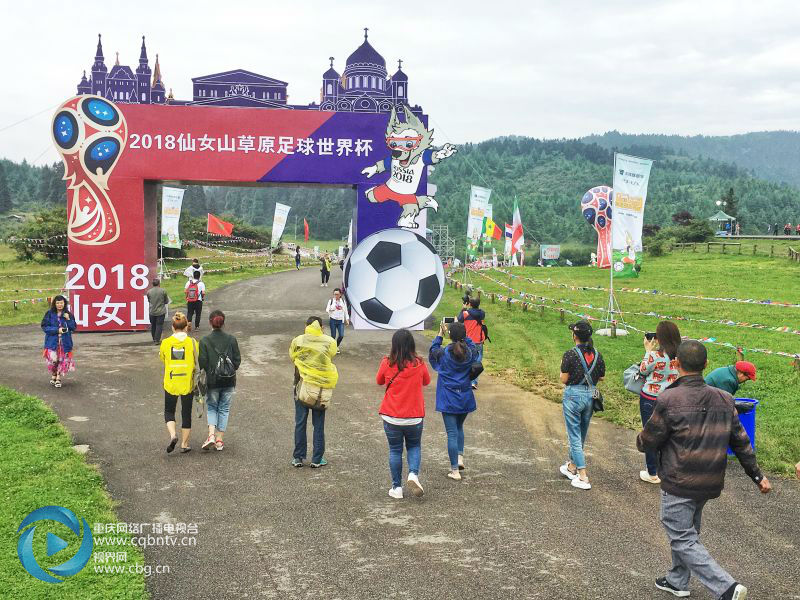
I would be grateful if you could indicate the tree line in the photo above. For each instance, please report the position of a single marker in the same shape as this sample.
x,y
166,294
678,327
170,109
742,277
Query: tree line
x,y
547,177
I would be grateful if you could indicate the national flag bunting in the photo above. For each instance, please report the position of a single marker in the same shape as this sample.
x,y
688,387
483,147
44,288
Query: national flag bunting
x,y
218,226
491,229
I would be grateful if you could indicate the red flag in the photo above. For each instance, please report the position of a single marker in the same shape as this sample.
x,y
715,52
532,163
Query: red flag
x,y
305,228
218,226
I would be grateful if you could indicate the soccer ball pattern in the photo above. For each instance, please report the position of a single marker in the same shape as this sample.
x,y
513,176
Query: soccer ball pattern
x,y
596,207
394,279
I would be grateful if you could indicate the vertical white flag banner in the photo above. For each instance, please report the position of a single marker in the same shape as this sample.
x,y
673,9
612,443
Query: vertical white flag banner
x,y
478,202
631,176
279,222
171,201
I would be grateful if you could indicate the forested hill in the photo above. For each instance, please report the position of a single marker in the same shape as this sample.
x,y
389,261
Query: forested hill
x,y
771,155
550,177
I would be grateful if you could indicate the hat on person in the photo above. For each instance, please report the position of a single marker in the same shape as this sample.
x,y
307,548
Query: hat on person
x,y
747,368
582,329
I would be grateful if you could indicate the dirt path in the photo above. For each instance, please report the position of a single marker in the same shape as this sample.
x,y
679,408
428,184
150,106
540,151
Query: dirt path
x,y
512,529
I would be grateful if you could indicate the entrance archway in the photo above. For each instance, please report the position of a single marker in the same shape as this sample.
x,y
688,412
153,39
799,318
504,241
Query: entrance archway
x,y
114,157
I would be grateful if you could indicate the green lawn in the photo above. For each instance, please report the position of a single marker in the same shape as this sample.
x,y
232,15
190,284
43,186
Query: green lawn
x,y
40,468
527,346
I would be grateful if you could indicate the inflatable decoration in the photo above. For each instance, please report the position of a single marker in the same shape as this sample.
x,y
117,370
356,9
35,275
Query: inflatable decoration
x,y
90,134
394,279
596,207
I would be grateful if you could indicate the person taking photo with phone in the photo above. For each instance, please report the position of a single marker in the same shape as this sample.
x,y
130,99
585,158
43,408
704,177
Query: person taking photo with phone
x,y
454,396
660,369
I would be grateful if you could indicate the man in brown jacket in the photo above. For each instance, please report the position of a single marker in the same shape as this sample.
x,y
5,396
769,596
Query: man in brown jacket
x,y
691,428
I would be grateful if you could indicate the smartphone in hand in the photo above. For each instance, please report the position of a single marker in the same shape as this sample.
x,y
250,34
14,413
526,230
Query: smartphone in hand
x,y
448,320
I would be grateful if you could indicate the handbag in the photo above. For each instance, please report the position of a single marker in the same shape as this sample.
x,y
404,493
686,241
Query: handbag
x,y
633,380
597,395
475,369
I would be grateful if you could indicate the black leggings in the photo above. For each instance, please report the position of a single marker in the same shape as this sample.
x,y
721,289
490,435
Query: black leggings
x,y
171,402
326,275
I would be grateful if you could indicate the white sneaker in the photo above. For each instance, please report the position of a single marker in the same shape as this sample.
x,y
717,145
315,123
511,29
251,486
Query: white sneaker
x,y
414,486
566,472
396,492
454,475
580,484
645,476
739,592
461,462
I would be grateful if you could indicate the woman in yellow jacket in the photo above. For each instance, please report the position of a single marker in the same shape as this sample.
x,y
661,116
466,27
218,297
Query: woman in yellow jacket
x,y
179,355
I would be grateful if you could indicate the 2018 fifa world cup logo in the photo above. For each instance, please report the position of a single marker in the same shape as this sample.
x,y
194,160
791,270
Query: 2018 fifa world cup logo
x,y
596,209
90,133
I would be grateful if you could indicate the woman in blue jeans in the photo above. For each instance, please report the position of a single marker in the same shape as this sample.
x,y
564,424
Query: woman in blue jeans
x,y
403,408
216,349
454,396
577,400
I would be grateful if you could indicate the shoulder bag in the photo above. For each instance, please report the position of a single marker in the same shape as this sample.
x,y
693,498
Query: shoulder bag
x,y
633,380
597,395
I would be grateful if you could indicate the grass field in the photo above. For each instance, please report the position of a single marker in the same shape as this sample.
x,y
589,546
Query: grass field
x,y
40,468
32,282
527,346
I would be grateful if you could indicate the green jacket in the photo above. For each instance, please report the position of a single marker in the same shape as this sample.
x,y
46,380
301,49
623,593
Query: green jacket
x,y
724,378
212,346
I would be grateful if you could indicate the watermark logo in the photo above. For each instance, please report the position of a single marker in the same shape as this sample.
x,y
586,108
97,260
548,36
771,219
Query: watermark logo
x,y
55,544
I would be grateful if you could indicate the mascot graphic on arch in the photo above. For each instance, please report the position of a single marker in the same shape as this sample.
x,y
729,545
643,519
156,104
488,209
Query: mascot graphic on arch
x,y
411,145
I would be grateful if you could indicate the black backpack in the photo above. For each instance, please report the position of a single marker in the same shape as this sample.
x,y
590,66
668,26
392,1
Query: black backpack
x,y
224,369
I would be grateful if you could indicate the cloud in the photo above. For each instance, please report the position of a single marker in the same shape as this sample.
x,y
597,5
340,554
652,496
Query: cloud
x,y
480,69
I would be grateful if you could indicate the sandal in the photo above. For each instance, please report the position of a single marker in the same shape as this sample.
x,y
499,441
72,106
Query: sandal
x,y
57,383
219,445
210,441
185,450
52,381
171,445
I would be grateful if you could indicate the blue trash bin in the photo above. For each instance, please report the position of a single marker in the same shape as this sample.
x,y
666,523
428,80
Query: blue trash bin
x,y
747,417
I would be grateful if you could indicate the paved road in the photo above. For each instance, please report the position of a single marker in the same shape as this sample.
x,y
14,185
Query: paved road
x,y
513,528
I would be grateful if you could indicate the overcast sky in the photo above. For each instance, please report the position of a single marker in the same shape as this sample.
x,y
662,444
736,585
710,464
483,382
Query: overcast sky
x,y
537,68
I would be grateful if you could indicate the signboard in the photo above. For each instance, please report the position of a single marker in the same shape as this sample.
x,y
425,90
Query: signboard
x,y
279,222
171,200
549,251
478,203
631,176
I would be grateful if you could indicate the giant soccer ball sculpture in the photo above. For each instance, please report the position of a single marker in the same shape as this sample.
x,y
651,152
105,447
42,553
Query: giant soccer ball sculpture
x,y
596,208
394,279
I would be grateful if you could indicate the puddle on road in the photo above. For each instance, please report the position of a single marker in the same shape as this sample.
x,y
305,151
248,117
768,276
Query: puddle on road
x,y
436,538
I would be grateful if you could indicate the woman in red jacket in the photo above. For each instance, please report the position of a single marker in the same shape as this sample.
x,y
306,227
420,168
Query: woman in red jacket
x,y
403,408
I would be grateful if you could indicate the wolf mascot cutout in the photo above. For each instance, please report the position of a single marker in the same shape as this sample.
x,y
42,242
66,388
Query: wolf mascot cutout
x,y
412,149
